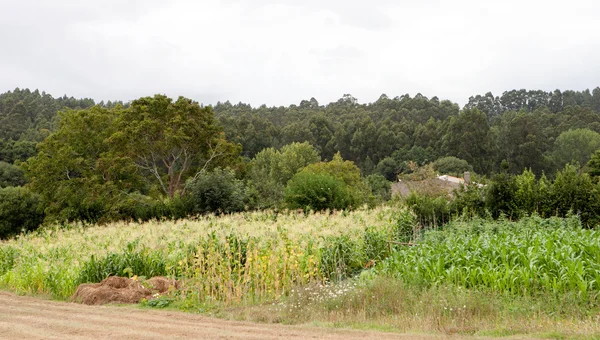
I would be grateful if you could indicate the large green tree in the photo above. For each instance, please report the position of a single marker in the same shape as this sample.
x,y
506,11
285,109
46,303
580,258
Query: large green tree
x,y
76,171
170,141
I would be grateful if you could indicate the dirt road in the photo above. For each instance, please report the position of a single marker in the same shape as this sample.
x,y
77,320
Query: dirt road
x,y
31,318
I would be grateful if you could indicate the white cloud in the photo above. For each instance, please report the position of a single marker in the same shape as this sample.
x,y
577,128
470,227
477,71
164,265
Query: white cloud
x,y
280,52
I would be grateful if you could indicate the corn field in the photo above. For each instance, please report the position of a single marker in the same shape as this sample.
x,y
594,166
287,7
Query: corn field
x,y
246,257
531,257
262,256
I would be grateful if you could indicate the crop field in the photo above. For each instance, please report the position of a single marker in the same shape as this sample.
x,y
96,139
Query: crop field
x,y
365,268
532,257
247,256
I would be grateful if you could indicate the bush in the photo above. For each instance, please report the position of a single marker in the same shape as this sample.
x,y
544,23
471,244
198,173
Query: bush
x,y
575,192
452,166
346,172
469,200
20,210
271,169
500,196
216,191
310,191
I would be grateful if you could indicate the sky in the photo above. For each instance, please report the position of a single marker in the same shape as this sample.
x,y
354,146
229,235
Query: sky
x,y
281,52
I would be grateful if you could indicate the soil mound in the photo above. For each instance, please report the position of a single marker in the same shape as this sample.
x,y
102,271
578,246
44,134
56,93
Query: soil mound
x,y
115,289
161,284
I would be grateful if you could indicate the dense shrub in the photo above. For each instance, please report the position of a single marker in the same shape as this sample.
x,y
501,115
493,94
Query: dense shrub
x,y
469,200
310,191
271,169
500,198
216,191
20,210
348,173
575,192
451,166
431,210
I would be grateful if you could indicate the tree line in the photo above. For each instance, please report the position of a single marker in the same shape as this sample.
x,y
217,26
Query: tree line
x,y
73,159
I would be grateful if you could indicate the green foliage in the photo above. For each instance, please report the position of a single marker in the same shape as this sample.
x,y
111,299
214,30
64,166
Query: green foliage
x,y
106,164
96,162
169,140
575,192
431,210
575,145
294,157
468,137
346,172
11,175
13,151
216,191
73,171
469,200
138,207
500,196
572,192
380,187
271,169
527,192
317,191
388,168
20,210
451,166
8,256
404,226
593,165
160,302
26,117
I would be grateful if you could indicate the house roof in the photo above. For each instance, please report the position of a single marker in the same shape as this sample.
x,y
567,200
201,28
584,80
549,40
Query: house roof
x,y
451,179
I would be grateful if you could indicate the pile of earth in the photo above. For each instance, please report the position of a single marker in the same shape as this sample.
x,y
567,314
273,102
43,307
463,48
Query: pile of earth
x,y
115,289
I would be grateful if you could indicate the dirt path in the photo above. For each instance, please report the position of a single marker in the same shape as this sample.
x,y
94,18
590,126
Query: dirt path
x,y
30,318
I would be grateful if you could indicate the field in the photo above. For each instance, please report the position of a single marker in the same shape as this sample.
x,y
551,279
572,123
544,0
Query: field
x,y
364,269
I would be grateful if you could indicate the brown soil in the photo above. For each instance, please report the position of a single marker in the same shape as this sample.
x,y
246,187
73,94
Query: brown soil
x,y
115,289
30,318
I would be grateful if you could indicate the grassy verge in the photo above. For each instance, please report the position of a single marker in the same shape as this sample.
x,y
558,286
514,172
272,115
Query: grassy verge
x,y
388,304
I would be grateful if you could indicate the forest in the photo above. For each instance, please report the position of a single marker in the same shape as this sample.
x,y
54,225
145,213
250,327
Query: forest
x,y
65,159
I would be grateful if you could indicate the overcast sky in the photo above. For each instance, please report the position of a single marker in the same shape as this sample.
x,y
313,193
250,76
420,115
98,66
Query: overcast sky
x,y
280,52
